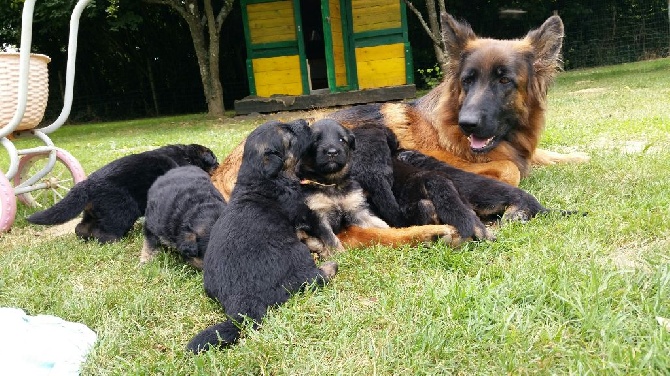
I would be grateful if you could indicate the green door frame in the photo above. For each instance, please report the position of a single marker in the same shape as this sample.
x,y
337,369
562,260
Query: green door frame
x,y
328,39
301,48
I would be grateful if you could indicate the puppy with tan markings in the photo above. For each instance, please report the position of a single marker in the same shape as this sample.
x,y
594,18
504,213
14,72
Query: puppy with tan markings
x,y
181,210
115,196
338,200
254,259
487,197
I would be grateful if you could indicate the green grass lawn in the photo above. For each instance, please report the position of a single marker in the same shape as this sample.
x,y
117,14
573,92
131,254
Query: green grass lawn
x,y
557,295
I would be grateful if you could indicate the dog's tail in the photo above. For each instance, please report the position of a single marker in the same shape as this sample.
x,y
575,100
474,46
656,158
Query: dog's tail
x,y
64,210
220,335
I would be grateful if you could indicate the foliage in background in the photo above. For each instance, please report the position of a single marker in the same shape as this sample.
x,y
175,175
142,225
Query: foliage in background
x,y
431,77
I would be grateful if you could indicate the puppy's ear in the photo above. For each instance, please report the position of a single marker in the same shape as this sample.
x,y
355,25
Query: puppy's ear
x,y
300,128
272,164
352,140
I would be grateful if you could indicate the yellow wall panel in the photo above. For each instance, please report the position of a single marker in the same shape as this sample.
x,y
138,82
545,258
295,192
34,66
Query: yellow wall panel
x,y
371,15
271,22
277,75
381,66
387,51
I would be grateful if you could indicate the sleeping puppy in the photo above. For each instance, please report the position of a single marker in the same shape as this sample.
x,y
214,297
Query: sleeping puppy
x,y
427,191
486,196
372,168
114,196
255,259
338,200
426,197
181,209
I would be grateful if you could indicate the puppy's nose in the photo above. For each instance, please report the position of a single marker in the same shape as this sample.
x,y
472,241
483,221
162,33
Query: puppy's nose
x,y
332,152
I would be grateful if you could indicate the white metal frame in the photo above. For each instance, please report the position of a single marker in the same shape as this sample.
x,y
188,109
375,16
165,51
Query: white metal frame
x,y
31,184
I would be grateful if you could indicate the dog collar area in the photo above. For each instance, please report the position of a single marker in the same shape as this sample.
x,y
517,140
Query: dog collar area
x,y
312,182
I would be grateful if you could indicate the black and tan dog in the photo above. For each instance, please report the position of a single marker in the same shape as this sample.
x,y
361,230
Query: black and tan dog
x,y
115,196
485,196
255,259
487,116
181,209
421,190
337,199
409,195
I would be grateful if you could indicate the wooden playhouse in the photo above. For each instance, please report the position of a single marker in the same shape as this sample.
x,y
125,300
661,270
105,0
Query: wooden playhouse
x,y
304,54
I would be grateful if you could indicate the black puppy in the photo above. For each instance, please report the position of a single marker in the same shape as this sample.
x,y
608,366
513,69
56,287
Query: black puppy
x,y
372,168
411,188
330,192
181,209
487,197
114,196
426,197
254,259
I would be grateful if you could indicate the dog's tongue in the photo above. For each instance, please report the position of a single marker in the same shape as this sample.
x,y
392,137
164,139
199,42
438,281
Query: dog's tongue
x,y
478,143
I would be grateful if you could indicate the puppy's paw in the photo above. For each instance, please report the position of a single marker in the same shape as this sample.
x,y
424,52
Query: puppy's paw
x,y
322,249
334,245
148,252
484,233
449,235
516,213
329,269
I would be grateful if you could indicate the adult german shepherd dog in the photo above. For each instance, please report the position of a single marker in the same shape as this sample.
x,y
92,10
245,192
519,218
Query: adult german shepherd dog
x,y
486,117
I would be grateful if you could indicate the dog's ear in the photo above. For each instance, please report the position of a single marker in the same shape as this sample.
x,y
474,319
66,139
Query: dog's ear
x,y
271,163
352,140
455,35
547,41
300,128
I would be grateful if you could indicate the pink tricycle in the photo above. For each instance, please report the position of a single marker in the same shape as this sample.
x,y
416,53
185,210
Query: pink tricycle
x,y
41,175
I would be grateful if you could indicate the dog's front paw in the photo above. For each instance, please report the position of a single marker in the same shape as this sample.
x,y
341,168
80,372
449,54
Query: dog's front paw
x,y
483,233
578,157
322,249
329,269
148,252
449,235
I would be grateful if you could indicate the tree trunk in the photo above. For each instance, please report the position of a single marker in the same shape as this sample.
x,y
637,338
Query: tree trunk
x,y
152,85
432,28
206,53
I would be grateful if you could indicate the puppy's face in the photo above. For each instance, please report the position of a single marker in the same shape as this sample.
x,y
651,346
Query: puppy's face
x,y
275,147
203,157
330,149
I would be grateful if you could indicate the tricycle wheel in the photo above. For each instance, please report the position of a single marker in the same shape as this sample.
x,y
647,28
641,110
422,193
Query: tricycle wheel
x,y
65,174
7,204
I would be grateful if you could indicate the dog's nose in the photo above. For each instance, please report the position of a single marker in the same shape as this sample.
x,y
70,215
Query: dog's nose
x,y
468,121
332,152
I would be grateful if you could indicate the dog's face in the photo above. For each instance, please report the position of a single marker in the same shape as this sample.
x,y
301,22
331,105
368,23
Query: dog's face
x,y
495,78
330,150
274,147
202,157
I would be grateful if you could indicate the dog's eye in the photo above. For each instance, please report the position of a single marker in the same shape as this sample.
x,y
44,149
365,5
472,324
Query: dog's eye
x,y
342,140
505,80
467,80
272,152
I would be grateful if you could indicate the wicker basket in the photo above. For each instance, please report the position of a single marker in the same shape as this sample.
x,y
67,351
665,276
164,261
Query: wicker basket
x,y
38,89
